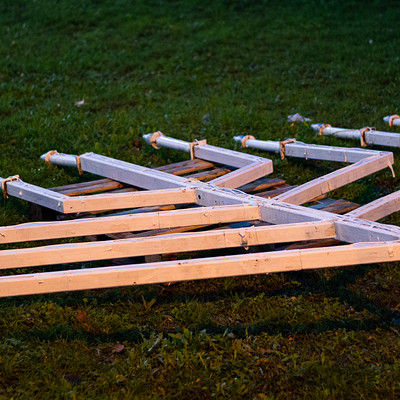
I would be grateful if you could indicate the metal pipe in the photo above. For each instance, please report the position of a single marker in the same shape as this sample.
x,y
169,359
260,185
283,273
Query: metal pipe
x,y
65,160
267,145
166,141
392,120
339,132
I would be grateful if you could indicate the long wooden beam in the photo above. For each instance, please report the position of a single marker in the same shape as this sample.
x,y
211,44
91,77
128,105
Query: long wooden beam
x,y
115,201
128,223
205,268
180,242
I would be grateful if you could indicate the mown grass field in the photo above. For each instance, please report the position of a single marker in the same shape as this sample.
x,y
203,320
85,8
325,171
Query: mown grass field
x,y
199,69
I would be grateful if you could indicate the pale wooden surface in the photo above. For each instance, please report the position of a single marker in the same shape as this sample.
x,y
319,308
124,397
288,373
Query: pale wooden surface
x,y
171,243
205,268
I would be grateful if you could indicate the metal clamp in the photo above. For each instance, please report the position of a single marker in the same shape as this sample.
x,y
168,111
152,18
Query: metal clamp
x,y
194,144
282,147
4,184
363,131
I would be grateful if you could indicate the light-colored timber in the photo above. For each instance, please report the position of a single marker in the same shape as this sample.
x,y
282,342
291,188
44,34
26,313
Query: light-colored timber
x,y
193,241
277,220
204,268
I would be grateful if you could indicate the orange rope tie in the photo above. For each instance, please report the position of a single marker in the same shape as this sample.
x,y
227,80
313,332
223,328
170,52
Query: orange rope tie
x,y
321,129
4,184
392,118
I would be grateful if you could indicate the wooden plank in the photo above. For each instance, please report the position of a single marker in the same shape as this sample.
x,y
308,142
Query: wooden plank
x,y
206,176
127,223
100,185
186,167
244,175
269,194
172,243
325,184
205,268
313,244
340,206
261,184
115,201
379,208
77,189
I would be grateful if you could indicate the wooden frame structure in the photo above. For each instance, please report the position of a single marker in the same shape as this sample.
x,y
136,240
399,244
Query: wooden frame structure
x,y
281,220
366,135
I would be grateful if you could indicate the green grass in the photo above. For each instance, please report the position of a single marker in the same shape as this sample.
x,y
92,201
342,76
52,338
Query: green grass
x,y
199,69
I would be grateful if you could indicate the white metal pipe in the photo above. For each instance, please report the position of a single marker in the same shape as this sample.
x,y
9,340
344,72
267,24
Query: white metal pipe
x,y
166,141
395,121
370,136
339,132
267,145
65,160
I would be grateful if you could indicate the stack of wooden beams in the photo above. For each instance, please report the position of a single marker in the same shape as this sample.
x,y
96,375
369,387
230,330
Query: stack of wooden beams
x,y
220,199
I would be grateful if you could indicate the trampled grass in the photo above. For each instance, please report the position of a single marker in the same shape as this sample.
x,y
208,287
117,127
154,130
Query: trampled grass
x,y
199,69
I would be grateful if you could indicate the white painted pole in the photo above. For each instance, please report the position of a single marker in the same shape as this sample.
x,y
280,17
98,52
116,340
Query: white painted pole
x,y
65,160
365,135
267,145
392,120
339,132
166,141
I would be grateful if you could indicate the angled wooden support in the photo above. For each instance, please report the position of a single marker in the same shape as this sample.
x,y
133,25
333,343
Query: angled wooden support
x,y
366,135
364,162
379,208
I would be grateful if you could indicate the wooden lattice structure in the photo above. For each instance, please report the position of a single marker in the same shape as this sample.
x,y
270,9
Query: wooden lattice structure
x,y
178,214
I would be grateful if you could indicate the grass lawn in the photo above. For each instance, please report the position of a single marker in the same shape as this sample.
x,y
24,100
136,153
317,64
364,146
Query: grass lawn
x,y
199,69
